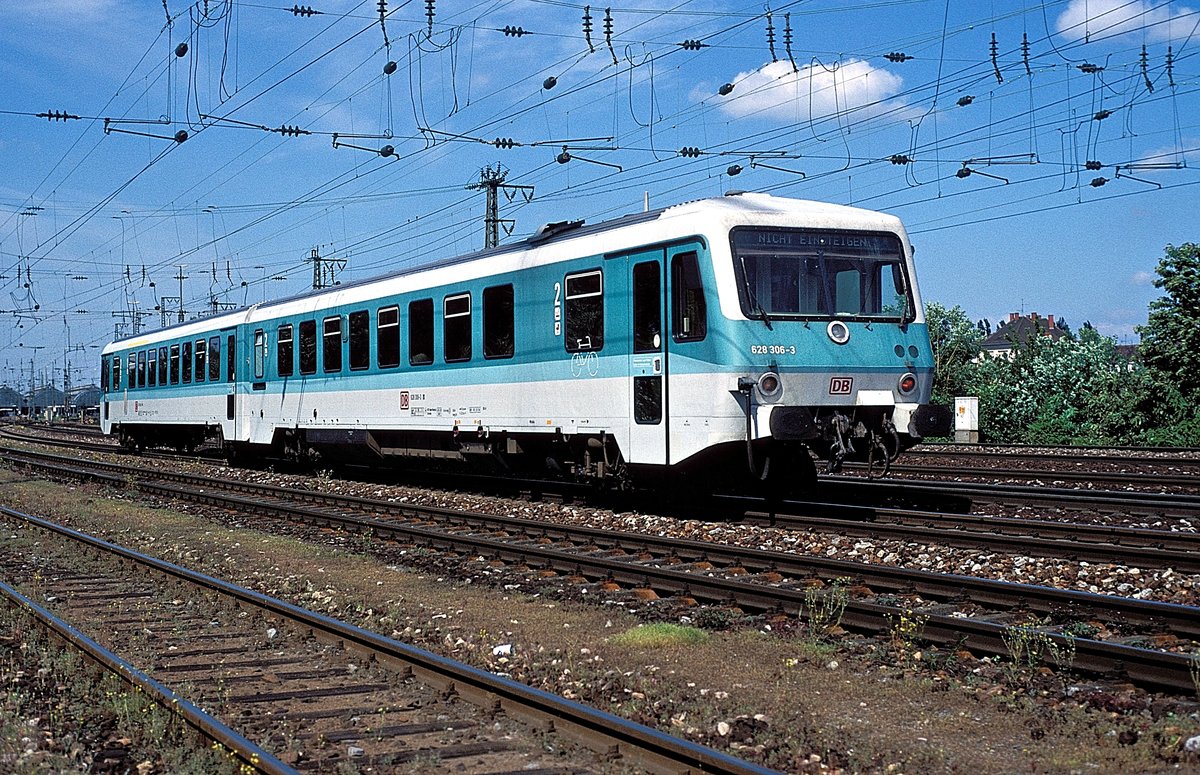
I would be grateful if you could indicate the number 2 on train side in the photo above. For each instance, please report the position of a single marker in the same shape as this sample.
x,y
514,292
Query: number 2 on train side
x,y
558,309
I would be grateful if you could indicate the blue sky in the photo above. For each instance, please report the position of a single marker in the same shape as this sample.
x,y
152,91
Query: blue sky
x,y
986,160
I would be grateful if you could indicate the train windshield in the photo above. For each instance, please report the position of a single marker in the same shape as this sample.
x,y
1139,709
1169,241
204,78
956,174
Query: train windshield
x,y
806,273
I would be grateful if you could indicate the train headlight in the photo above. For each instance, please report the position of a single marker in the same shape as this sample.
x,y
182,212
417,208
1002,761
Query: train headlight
x,y
769,386
838,332
907,383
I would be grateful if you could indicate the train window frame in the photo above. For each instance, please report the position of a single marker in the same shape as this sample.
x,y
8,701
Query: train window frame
x,y
162,366
499,322
152,367
308,347
387,345
456,328
131,372
105,373
214,359
174,368
647,307
331,344
687,310
115,365
260,353
285,350
420,332
185,363
201,353
577,309
141,368
360,339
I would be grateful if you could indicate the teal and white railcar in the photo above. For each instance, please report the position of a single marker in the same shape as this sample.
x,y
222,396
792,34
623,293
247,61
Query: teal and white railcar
x,y
726,337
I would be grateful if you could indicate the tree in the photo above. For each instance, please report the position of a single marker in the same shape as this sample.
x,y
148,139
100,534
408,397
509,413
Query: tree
x,y
1171,336
955,341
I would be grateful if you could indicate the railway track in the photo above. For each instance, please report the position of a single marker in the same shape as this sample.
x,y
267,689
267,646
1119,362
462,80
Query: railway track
x,y
325,694
979,614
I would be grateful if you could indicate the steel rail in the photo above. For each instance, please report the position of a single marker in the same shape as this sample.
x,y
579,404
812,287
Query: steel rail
x,y
1159,669
649,748
248,752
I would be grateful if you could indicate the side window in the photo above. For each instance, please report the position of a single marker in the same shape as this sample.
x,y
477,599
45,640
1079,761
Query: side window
x,y
260,353
360,340
420,332
584,311
201,359
387,333
647,307
214,358
116,372
230,357
456,328
689,314
285,354
185,363
105,370
162,366
498,328
141,369
152,367
308,347
131,375
174,364
331,350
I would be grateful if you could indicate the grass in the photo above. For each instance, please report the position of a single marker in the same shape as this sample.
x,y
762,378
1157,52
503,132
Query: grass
x,y
660,635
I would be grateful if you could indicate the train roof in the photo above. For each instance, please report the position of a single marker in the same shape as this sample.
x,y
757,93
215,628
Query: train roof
x,y
701,213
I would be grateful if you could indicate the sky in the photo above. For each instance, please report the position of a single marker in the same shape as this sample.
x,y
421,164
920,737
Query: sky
x,y
1043,174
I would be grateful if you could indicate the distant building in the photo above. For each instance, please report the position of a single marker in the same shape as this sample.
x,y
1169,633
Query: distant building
x,y
45,397
1014,333
10,401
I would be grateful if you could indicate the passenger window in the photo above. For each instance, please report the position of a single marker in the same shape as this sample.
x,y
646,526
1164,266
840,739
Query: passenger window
x,y
387,332
331,350
152,367
105,374
308,347
285,355
141,369
498,327
174,364
689,313
584,311
214,358
456,328
647,307
201,359
162,366
260,353
116,372
230,358
420,332
360,340
185,362
131,376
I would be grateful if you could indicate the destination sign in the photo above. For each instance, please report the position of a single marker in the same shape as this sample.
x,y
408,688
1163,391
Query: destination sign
x,y
778,238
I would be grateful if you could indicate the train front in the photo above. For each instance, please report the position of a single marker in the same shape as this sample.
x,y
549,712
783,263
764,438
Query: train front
x,y
831,350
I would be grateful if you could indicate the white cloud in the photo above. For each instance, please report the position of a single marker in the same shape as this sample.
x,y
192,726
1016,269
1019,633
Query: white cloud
x,y
1143,277
1094,19
812,92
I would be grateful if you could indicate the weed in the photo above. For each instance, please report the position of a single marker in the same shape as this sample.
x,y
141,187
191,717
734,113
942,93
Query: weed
x,y
657,636
1080,630
1194,669
714,618
906,628
824,608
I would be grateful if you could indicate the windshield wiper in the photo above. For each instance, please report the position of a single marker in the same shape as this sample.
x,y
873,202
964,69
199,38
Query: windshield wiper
x,y
755,305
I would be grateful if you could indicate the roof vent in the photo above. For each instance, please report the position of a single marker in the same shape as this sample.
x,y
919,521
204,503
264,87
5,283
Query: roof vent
x,y
551,230
734,192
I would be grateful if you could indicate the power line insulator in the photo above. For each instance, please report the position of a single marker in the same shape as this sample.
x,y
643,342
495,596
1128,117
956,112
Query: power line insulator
x,y
504,142
734,169
692,45
304,10
291,131
899,57
180,136
965,100
513,32
390,67
1025,52
1101,115
181,50
550,83
1089,68
900,158
429,13
587,28
690,152
386,151
725,89
1098,182
58,115
1093,165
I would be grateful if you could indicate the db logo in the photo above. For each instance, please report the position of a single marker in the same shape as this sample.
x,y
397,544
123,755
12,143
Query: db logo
x,y
404,400
840,386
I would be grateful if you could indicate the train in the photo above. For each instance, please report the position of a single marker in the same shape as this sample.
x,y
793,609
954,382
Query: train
x,y
723,342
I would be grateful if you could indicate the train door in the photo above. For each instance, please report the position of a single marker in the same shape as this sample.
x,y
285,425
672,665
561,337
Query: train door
x,y
648,442
686,313
230,425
